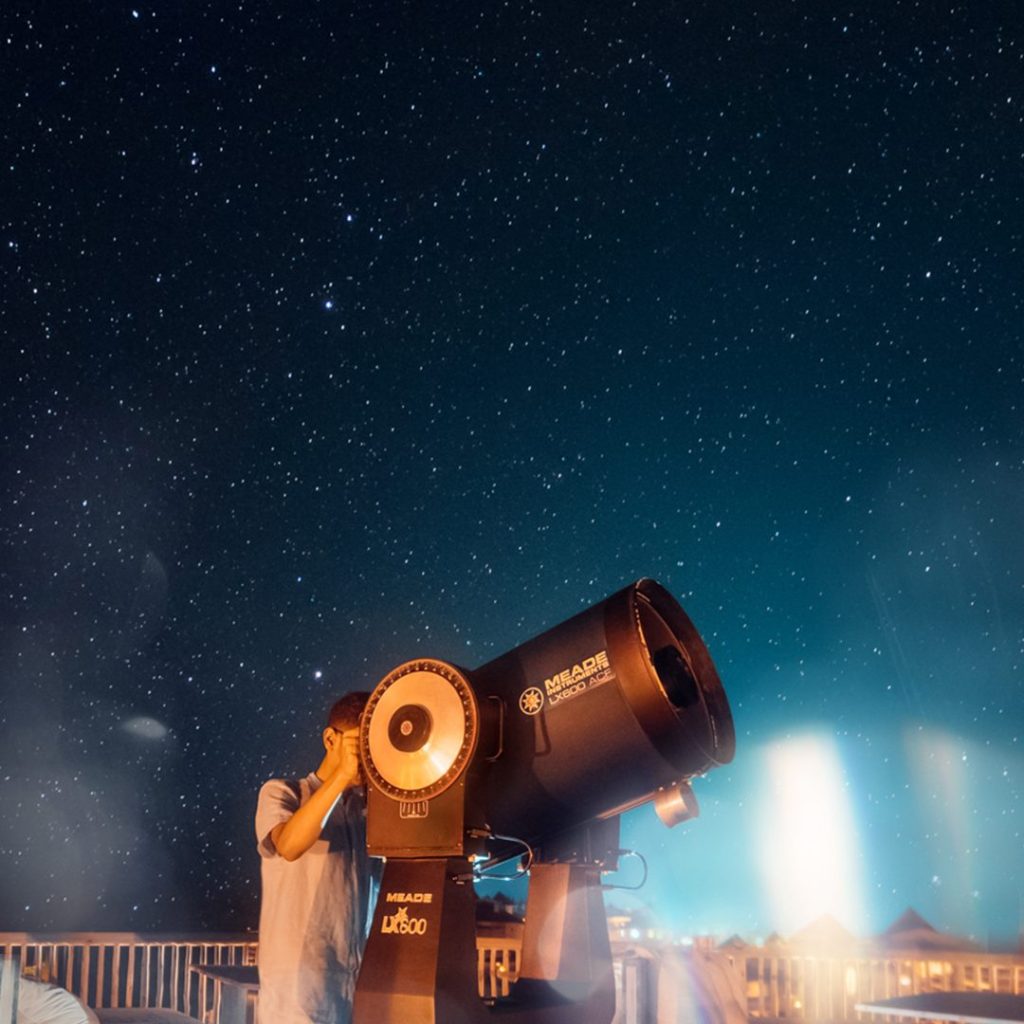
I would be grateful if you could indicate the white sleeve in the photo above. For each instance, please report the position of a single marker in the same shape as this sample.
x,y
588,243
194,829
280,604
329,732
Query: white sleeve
x,y
278,801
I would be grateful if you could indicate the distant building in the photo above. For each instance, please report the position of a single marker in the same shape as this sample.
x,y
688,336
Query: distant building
x,y
823,971
818,974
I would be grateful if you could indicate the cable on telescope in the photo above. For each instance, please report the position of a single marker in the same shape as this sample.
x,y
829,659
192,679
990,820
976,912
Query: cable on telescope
x,y
643,880
523,871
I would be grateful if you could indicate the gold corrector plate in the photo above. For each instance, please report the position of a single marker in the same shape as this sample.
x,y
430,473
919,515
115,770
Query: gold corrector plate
x,y
423,773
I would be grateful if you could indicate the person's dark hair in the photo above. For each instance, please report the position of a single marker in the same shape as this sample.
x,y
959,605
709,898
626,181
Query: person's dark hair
x,y
345,713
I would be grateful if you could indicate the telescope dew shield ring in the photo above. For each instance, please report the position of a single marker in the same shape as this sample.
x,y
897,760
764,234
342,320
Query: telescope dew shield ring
x,y
698,734
419,730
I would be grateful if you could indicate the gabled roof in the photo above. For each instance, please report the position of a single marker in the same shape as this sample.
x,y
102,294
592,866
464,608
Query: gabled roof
x,y
911,931
909,921
824,933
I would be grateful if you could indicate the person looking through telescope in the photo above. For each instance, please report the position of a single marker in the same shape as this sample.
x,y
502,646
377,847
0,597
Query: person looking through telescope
x,y
315,875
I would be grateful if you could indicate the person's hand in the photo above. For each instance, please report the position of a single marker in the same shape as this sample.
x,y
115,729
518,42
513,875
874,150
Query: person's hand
x,y
348,757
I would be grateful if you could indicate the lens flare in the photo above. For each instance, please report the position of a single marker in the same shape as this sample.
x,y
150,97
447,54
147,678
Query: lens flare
x,y
940,764
808,850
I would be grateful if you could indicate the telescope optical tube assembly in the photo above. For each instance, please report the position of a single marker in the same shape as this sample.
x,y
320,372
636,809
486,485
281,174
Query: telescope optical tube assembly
x,y
544,747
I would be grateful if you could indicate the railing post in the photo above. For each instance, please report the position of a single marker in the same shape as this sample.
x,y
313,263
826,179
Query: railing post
x,y
10,976
636,990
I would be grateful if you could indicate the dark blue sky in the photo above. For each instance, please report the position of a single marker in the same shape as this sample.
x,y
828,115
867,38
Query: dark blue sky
x,y
341,335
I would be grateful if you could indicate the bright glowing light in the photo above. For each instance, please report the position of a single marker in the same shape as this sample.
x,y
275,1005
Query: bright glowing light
x,y
851,981
809,851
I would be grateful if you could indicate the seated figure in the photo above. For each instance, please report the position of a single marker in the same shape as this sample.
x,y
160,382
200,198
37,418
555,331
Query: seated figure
x,y
42,1003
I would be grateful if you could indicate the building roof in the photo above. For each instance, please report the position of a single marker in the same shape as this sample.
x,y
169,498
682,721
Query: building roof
x,y
909,920
825,933
912,932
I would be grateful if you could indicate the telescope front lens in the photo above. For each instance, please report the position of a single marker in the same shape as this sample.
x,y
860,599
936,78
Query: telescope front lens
x,y
676,677
410,727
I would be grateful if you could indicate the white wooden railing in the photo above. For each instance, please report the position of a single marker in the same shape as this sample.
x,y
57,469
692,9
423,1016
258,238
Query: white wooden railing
x,y
125,969
497,965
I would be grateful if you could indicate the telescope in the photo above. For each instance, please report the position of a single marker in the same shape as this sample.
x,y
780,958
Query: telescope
x,y
532,755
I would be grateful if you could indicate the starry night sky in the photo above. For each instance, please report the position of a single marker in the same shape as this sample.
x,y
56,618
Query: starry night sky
x,y
339,334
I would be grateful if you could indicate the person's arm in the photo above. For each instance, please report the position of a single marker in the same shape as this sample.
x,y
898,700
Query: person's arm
x,y
292,838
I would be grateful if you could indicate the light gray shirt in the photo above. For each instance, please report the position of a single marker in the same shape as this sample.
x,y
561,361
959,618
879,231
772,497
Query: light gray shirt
x,y
313,909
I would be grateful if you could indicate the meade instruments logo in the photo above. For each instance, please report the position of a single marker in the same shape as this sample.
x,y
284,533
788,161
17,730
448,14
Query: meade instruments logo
x,y
571,682
400,923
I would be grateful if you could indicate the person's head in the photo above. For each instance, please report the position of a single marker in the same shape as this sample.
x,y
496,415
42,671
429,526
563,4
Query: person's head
x,y
343,718
346,712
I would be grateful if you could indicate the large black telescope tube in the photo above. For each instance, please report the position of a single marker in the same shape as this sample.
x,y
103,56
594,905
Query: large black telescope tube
x,y
602,712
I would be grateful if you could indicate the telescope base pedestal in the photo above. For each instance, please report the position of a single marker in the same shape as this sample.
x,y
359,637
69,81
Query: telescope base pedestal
x,y
566,975
419,966
420,963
